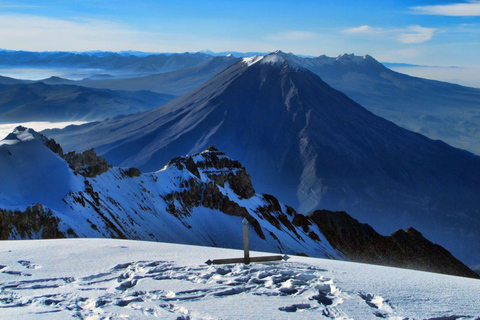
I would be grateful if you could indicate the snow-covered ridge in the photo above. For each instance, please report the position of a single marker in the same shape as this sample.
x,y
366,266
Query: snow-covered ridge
x,y
251,60
199,199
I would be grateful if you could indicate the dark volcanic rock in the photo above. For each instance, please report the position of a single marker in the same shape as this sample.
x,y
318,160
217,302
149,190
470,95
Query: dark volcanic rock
x,y
197,200
36,222
54,146
404,248
87,163
220,170
132,172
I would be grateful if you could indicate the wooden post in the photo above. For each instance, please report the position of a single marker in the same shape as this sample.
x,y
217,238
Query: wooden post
x,y
246,249
246,252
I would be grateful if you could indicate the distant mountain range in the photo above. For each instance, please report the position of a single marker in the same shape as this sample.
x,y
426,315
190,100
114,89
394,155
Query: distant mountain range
x,y
42,102
436,109
104,60
198,199
8,80
309,145
173,83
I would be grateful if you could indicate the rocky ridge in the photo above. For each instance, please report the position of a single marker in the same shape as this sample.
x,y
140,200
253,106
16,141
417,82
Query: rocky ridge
x,y
199,199
403,248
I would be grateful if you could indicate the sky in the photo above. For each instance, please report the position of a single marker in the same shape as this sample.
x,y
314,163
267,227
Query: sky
x,y
425,32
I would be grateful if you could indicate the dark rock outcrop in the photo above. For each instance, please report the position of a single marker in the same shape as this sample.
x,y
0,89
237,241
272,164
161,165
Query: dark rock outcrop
x,y
87,163
220,169
132,172
404,248
36,222
54,146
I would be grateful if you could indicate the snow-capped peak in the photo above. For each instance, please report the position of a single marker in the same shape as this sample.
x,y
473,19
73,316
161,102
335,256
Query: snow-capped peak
x,y
30,172
252,60
20,134
275,58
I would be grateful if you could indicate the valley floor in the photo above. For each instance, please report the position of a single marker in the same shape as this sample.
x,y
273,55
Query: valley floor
x,y
120,279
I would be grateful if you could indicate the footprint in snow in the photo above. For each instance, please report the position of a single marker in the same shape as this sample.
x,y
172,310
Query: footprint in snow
x,y
17,273
295,307
29,265
382,306
119,286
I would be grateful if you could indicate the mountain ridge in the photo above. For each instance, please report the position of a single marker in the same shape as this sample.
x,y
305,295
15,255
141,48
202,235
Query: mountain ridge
x,y
310,145
104,60
199,200
196,199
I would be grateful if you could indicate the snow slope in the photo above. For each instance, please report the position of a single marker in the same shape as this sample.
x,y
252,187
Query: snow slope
x,y
31,173
120,279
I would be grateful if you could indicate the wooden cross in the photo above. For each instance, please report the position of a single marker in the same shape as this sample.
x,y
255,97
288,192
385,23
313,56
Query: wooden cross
x,y
246,252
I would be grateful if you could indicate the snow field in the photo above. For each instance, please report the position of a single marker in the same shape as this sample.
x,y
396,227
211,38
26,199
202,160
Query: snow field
x,y
121,279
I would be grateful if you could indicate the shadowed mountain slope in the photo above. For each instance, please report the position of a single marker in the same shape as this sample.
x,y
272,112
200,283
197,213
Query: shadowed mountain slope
x,y
174,82
439,110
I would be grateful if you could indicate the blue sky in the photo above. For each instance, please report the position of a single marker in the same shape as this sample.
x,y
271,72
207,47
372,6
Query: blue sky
x,y
428,32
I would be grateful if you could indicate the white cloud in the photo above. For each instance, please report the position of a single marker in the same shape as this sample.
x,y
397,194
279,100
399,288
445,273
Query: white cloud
x,y
363,29
411,34
38,33
293,35
416,34
470,9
